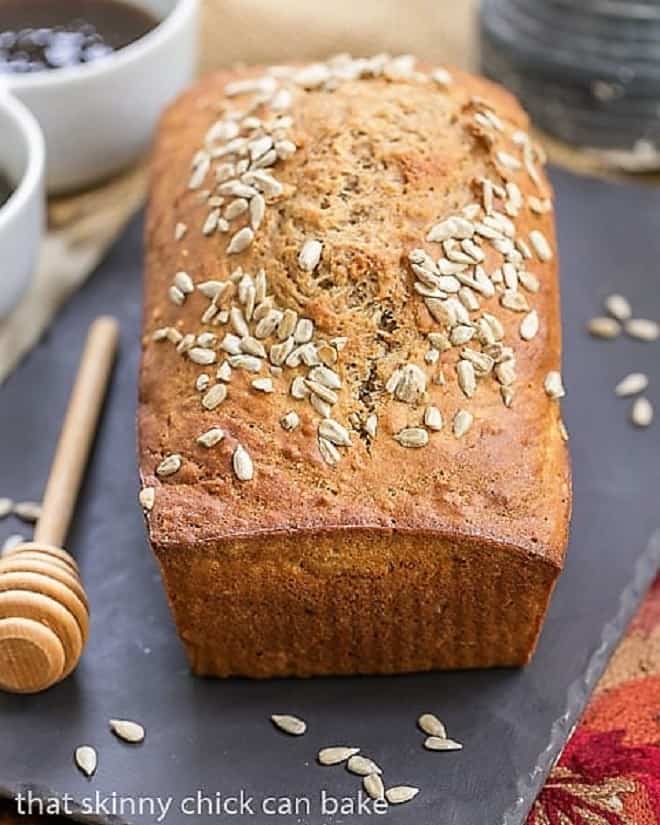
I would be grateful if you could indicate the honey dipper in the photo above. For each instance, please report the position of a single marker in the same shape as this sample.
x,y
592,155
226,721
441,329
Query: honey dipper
x,y
44,613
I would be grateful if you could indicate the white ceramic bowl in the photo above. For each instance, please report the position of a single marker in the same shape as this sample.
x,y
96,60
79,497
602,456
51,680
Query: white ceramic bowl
x,y
97,119
22,161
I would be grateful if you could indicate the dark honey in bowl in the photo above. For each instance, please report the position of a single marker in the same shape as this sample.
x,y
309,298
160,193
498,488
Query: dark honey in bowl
x,y
6,190
42,35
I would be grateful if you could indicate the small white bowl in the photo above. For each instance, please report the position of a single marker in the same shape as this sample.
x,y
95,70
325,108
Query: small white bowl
x,y
22,161
99,118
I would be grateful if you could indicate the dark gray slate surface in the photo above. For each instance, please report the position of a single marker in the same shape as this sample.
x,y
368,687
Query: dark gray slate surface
x,y
216,736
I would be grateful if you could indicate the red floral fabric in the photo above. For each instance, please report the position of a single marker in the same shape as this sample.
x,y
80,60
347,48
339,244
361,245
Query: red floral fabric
x,y
609,772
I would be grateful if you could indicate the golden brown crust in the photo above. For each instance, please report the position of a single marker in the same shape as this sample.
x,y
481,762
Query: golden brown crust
x,y
378,162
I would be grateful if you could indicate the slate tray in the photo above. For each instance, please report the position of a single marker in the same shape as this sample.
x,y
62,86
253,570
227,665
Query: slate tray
x,y
216,736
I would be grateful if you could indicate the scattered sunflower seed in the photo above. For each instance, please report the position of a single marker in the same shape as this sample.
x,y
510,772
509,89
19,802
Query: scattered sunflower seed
x,y
618,307
179,231
412,437
310,255
431,725
643,329
6,507
184,282
336,755
335,432
214,397
632,384
86,759
241,240
642,412
169,465
400,793
440,743
211,437
242,464
289,724
529,326
330,453
371,425
128,731
553,385
373,786
28,511
12,541
433,419
147,498
462,422
362,765
604,327
290,421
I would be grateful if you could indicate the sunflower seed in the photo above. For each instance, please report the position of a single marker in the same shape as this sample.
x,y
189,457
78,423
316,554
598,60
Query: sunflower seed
x,y
236,208
433,419
462,422
466,377
236,189
179,231
289,724
632,384
461,334
507,393
528,281
223,372
28,511
241,240
326,376
330,453
431,725
643,329
540,245
242,464
362,765
130,732
176,296
411,384
603,327
642,412
442,77
86,759
505,372
441,743
211,223
6,507
263,385
299,389
184,282
514,301
400,793
529,326
169,465
310,255
371,425
211,289
373,786
199,355
147,498
290,421
323,392
214,397
336,755
333,431
553,385
618,307
412,437
211,437
13,541
186,342
250,363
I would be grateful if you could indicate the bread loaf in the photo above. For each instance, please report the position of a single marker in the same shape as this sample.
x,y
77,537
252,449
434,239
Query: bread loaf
x,y
351,446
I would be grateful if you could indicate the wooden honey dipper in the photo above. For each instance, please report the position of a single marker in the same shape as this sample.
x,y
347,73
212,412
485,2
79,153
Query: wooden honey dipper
x,y
44,613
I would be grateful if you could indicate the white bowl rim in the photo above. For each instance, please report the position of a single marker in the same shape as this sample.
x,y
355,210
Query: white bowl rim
x,y
31,182
135,51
